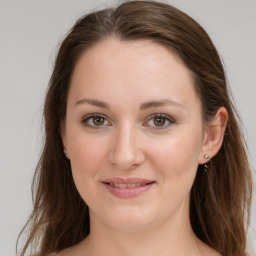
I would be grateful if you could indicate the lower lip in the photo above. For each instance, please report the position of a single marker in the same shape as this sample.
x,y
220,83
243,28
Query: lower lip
x,y
128,192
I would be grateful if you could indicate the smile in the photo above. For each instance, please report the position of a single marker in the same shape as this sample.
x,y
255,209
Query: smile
x,y
123,185
127,188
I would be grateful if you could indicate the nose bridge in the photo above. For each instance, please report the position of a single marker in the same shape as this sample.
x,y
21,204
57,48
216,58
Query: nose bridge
x,y
126,152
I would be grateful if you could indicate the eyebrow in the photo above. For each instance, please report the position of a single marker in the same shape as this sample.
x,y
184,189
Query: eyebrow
x,y
143,106
93,102
160,103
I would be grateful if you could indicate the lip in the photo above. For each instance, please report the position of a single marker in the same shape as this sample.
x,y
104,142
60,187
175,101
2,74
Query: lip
x,y
128,192
127,180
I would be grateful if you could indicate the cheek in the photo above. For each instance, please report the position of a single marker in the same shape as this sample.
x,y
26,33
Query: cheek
x,y
83,156
176,162
87,155
86,151
176,157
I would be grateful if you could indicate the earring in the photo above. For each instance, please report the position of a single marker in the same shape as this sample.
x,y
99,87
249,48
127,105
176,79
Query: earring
x,y
206,156
65,150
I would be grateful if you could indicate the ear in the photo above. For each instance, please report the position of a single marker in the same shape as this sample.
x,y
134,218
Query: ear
x,y
63,132
214,134
63,138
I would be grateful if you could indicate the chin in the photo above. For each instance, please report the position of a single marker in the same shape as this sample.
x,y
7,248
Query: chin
x,y
131,220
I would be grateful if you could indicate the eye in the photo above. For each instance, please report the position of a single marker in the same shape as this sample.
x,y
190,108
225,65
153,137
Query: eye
x,y
159,121
95,121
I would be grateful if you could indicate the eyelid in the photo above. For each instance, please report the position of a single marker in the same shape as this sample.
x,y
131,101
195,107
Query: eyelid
x,y
160,115
168,118
94,115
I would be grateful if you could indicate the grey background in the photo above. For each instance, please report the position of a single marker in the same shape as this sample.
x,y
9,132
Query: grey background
x,y
30,32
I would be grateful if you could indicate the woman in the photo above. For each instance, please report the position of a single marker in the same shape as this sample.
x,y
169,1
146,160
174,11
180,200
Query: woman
x,y
143,153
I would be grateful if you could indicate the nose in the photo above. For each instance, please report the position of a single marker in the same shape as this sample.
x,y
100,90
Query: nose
x,y
126,152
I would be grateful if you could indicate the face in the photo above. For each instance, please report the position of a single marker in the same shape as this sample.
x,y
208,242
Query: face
x,y
134,133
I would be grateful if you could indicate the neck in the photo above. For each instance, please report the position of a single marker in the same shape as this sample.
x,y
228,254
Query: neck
x,y
173,237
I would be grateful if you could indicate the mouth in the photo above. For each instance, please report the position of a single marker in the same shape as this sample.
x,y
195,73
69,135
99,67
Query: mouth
x,y
127,188
127,185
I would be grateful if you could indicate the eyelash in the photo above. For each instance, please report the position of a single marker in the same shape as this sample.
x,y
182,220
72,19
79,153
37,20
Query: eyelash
x,y
161,116
86,119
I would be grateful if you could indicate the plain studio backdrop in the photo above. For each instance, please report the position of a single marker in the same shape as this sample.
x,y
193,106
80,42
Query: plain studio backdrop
x,y
30,32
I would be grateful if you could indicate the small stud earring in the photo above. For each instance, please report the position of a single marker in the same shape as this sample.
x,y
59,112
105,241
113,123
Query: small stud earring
x,y
65,150
206,156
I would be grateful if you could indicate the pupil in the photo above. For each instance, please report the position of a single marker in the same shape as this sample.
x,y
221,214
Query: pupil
x,y
98,121
159,121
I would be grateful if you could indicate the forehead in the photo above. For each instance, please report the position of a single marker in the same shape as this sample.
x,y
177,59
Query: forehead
x,y
127,68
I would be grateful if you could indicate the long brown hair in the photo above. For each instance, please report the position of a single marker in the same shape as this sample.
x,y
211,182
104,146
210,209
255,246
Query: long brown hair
x,y
220,199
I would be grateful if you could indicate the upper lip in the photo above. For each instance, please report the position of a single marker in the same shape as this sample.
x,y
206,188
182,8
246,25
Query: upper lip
x,y
127,180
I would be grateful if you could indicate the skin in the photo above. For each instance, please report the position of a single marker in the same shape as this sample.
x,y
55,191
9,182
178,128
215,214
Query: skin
x,y
128,141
